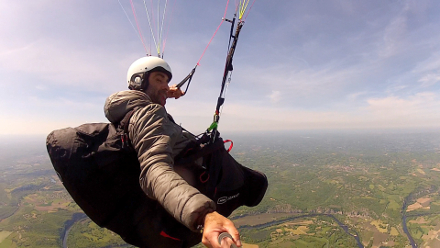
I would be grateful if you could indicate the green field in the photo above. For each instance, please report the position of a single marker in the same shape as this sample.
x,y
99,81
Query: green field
x,y
362,180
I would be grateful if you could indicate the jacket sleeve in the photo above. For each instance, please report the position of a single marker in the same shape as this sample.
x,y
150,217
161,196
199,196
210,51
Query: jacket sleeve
x,y
153,136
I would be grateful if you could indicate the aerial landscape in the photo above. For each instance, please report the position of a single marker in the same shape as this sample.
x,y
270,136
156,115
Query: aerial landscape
x,y
336,102
326,189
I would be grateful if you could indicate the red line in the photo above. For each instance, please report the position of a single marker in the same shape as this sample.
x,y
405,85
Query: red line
x,y
167,28
153,19
137,24
223,19
236,6
249,10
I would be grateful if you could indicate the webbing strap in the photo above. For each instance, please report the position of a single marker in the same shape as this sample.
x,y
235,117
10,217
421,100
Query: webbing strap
x,y
228,65
187,78
228,69
123,124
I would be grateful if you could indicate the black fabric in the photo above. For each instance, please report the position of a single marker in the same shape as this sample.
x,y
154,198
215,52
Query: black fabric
x,y
96,168
228,183
101,172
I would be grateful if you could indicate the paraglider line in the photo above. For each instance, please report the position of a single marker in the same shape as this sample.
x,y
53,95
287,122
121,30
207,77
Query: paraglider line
x,y
248,11
149,22
158,28
161,28
137,23
128,18
223,19
167,29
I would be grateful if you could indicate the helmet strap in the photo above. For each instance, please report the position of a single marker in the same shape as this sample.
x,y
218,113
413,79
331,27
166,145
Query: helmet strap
x,y
145,82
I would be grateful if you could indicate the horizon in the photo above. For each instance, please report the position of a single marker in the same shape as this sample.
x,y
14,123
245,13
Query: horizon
x,y
7,139
35,144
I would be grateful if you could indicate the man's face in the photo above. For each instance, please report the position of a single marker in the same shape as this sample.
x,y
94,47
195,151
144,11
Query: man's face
x,y
158,87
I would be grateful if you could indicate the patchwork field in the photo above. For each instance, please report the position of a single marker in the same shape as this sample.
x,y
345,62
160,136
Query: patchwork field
x,y
326,191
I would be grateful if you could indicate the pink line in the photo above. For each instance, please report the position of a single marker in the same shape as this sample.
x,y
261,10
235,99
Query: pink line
x,y
153,19
236,6
249,10
226,9
137,24
167,28
223,19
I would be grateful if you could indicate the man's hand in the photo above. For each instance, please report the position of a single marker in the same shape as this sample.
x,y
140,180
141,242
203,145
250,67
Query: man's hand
x,y
175,92
215,224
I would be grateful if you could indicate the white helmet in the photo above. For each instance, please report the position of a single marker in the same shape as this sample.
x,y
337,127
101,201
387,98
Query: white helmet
x,y
137,75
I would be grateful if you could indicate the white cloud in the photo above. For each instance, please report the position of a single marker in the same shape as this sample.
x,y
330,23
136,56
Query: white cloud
x,y
355,96
329,56
394,34
432,63
430,79
275,96
51,61
310,82
420,110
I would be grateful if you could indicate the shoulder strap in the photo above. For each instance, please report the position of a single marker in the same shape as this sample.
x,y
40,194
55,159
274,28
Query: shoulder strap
x,y
123,125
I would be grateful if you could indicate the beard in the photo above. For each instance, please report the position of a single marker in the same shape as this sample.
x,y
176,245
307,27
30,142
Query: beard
x,y
159,97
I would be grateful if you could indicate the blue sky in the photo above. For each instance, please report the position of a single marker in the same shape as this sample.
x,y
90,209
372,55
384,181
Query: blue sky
x,y
332,64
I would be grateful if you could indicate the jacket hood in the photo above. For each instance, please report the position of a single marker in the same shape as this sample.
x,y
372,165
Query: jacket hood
x,y
120,103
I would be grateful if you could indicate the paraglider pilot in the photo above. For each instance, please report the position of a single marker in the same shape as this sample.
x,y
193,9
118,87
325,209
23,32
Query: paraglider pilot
x,y
183,216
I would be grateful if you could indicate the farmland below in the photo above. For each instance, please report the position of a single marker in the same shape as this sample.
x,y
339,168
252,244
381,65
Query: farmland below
x,y
326,189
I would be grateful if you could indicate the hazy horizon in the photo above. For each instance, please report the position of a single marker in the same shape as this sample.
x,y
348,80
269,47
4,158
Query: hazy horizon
x,y
16,146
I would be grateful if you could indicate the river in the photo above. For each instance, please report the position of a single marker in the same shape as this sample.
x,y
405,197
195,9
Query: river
x,y
68,225
342,225
79,216
410,198
404,226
